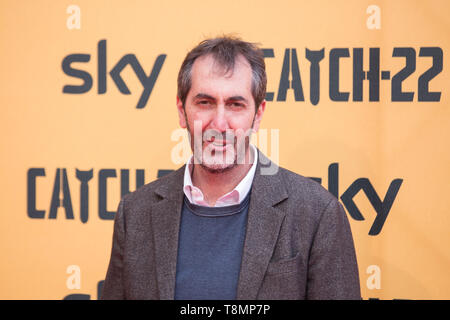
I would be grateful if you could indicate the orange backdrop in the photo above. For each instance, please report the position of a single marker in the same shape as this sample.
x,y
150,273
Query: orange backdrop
x,y
365,111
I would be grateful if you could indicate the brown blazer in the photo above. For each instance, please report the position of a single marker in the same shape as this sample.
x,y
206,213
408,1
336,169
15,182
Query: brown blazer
x,y
298,243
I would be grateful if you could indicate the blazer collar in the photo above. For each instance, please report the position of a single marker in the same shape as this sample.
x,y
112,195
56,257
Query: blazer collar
x,y
264,222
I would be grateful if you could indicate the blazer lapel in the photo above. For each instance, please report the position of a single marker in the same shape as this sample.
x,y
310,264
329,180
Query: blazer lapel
x,y
165,216
263,226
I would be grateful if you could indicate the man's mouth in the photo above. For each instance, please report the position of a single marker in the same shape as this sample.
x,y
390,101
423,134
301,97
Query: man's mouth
x,y
219,142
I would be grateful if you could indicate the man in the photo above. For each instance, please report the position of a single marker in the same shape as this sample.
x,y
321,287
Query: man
x,y
220,227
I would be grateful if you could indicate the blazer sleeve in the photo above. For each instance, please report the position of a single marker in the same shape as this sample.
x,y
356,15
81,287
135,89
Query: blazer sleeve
x,y
113,286
333,269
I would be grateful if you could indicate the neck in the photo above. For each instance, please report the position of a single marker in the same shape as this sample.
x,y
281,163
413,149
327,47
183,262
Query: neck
x,y
214,185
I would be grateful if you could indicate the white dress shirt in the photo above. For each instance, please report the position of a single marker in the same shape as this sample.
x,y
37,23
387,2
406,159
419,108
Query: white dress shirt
x,y
235,196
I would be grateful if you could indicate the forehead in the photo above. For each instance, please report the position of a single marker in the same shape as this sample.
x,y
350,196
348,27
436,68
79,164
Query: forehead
x,y
208,75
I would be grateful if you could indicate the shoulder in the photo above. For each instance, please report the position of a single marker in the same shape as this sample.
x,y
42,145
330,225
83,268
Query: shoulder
x,y
308,202
164,186
305,190
305,198
308,208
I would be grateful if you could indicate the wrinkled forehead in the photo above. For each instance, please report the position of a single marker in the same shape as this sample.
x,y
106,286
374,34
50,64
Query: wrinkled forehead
x,y
210,66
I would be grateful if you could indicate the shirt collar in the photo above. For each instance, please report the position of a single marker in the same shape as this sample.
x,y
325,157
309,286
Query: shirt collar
x,y
235,196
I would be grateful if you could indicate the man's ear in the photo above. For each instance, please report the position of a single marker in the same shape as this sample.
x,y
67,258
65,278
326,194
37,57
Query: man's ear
x,y
258,116
181,113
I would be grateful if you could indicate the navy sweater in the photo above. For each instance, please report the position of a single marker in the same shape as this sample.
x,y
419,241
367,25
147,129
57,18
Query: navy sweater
x,y
210,251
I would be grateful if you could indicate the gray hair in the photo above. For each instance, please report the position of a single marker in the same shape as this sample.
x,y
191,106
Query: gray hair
x,y
224,51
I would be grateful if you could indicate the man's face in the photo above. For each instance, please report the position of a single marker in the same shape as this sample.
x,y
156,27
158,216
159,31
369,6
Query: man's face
x,y
219,113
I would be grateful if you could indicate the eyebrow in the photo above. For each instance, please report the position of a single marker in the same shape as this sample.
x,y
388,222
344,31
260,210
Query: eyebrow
x,y
204,96
207,96
237,98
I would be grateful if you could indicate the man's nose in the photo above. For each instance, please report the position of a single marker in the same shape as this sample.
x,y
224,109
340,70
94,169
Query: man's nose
x,y
220,122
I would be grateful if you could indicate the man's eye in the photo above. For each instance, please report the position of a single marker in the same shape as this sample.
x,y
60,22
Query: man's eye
x,y
237,104
203,102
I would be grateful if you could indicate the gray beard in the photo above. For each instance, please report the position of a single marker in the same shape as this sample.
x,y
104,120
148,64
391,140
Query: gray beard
x,y
216,170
